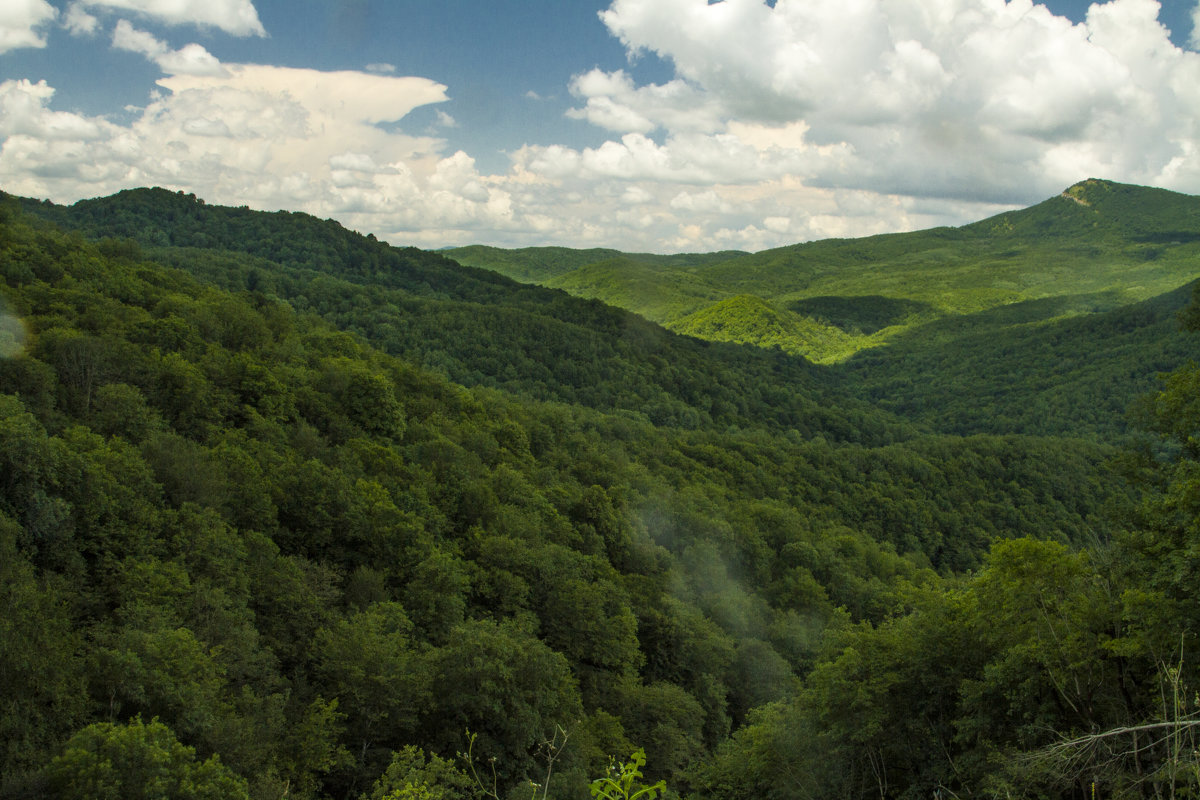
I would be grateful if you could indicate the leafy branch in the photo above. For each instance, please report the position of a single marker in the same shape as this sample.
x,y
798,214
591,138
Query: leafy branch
x,y
623,781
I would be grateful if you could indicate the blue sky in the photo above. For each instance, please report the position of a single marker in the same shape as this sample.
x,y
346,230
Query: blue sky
x,y
664,125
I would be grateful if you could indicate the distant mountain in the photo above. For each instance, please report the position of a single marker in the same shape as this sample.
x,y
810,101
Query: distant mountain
x,y
1094,237
1110,241
542,264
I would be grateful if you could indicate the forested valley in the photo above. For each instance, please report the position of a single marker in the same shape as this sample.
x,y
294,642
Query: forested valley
x,y
287,512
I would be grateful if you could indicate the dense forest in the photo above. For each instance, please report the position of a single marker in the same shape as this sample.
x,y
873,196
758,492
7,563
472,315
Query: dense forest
x,y
288,512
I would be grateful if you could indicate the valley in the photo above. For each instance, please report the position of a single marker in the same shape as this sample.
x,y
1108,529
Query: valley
x,y
286,511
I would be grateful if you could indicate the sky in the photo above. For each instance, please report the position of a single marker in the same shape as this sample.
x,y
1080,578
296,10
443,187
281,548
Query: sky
x,y
642,125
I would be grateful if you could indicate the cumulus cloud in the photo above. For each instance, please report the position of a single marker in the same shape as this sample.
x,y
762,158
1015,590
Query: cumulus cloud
x,y
614,103
814,118
21,22
25,114
79,22
191,59
326,142
962,98
782,122
269,137
236,17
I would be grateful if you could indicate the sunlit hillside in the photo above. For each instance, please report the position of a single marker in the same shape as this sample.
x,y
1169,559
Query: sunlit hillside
x,y
1109,244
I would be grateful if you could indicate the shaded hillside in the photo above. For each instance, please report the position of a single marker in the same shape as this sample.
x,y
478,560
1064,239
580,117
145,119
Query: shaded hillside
x,y
1052,367
475,326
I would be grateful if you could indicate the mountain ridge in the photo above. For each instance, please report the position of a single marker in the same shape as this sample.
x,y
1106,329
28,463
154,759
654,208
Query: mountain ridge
x,y
411,300
1096,236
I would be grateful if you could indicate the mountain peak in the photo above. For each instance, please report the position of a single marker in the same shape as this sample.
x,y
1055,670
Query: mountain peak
x,y
1084,191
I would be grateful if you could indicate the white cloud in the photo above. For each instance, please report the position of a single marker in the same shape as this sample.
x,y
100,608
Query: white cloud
x,y
79,22
191,59
958,98
21,21
801,120
354,162
236,17
265,136
614,103
298,139
381,69
706,201
24,105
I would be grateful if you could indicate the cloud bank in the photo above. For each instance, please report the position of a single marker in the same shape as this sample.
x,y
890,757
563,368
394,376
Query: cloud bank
x,y
271,136
959,99
801,120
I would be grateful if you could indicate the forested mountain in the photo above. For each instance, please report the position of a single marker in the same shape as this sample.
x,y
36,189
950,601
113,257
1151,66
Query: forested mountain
x,y
474,326
287,512
1047,320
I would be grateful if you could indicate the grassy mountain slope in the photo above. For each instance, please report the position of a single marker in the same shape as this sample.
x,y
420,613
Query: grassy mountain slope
x,y
1008,324
1096,236
1124,243
659,293
752,320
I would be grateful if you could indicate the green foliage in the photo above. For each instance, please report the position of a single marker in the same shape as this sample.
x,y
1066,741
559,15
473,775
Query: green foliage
x,y
624,781
470,325
864,313
507,687
416,775
40,668
656,291
1066,366
134,761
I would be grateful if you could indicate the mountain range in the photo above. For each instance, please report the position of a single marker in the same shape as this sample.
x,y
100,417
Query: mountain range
x,y
286,511
1100,243
1050,319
